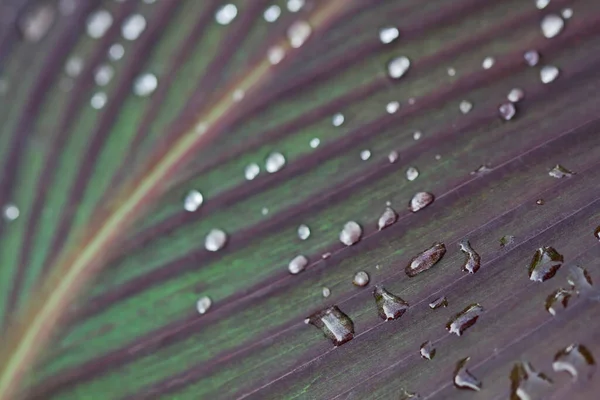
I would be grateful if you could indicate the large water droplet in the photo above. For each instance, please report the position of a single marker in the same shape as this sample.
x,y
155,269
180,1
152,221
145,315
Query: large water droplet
x,y
558,300
507,111
10,212
298,33
314,143
326,292
361,279
577,360
552,25
473,261
251,171
351,233
389,306
295,5
193,200
98,100
393,156
203,304
36,22
275,162
272,13
515,95
465,319
548,73
133,27
567,13
303,232
425,260
438,303
388,34
98,23
398,67
365,154
334,324
420,200
275,54
226,14
544,264
145,85
298,264
541,4
337,119
488,62
392,107
463,379
103,74
412,173
527,384
465,106
427,350
215,240
116,52
417,135
74,66
388,218
560,172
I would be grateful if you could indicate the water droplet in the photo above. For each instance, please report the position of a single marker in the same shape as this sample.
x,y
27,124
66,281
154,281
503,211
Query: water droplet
x,y
393,156
507,111
417,135
560,297
298,264
272,13
145,85
507,240
36,22
337,119
541,4
203,304
544,264
552,25
98,100
365,155
412,101
361,279
226,14
473,261
398,67
238,95
325,256
539,202
74,66
420,200
351,233
548,73
465,106
567,13
193,201
303,232
481,170
597,232
116,52
275,54
389,306
427,350
295,5
215,240
532,58
577,360
463,379
334,324
581,282
488,62
326,292
274,162
133,27
388,218
526,384
560,172
515,95
103,74
425,260
315,142
465,319
388,34
392,107
439,302
98,23
438,157
264,211
10,212
251,171
451,72
298,33
412,173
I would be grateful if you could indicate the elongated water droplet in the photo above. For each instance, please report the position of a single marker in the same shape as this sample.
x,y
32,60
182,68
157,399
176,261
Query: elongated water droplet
x,y
98,23
463,379
275,162
398,67
298,264
427,350
473,261
334,324
577,360
145,85
549,73
337,119
465,106
251,171
532,58
392,107
558,300
488,62
465,319
560,172
275,54
388,218
133,27
420,200
389,306
438,303
36,22
527,384
303,232
412,173
326,292
10,212
193,200
351,233
516,95
226,14
272,13
393,156
552,25
417,135
544,264
425,260
203,304
298,33
507,111
388,34
507,240
361,279
215,240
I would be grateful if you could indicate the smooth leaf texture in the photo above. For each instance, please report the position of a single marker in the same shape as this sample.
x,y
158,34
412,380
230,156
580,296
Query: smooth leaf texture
x,y
134,332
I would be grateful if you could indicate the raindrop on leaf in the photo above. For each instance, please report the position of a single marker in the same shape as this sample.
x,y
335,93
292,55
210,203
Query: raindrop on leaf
x,y
398,67
98,23
577,360
545,263
548,74
298,33
215,240
465,319
438,303
274,162
552,25
427,350
393,156
473,261
507,111
388,218
203,304
388,34
463,379
133,27
361,279
557,300
488,62
420,200
560,172
425,260
334,324
465,106
298,264
303,232
36,22
251,171
193,200
351,233
527,384
412,173
226,14
532,58
515,95
389,306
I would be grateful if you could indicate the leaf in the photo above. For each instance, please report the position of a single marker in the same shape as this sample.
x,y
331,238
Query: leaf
x,y
100,195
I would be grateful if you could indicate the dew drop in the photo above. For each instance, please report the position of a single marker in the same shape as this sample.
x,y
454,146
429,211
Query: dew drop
x,y
557,300
298,33
264,211
36,22
275,162
577,360
481,170
315,142
544,264
10,212
103,74
398,67
406,395
463,379
325,256
116,52
473,261
326,292
427,350
548,74
203,304
133,27
552,25
465,106
303,232
451,72
532,58
425,260
507,111
488,62
541,4
275,54
193,200
567,13
388,34
251,171
527,384
581,283
420,200
388,218
361,279
238,95
412,173
438,303
560,172
392,107
597,232
351,233
145,85
298,264
74,66
507,240
365,155
539,202
393,156
295,5
515,95
334,324
417,135
337,119
272,13
226,14
98,100
389,306
98,23
465,319
215,240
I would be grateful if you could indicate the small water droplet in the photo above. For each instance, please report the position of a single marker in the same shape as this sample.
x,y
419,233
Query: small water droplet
x,y
275,54
393,156
298,33
388,218
98,23
539,202
544,264
272,13
541,4
392,107
251,171
365,155
388,34
465,106
427,350
361,279
74,66
420,200
238,95
577,360
226,14
597,232
103,74
326,292
303,232
264,211
295,5
465,319
560,172
315,142
351,233
389,306
463,379
98,100
581,282
417,135
548,74
337,119
133,27
406,395
438,157
532,58
275,162
567,13
193,200
116,52
36,22
560,297
515,95
552,25
398,67
527,384
325,256
451,71
412,101
425,260
439,302
203,304
334,324
481,170
145,85
488,62
10,212
507,240
215,240
412,173
507,111
298,264
473,261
